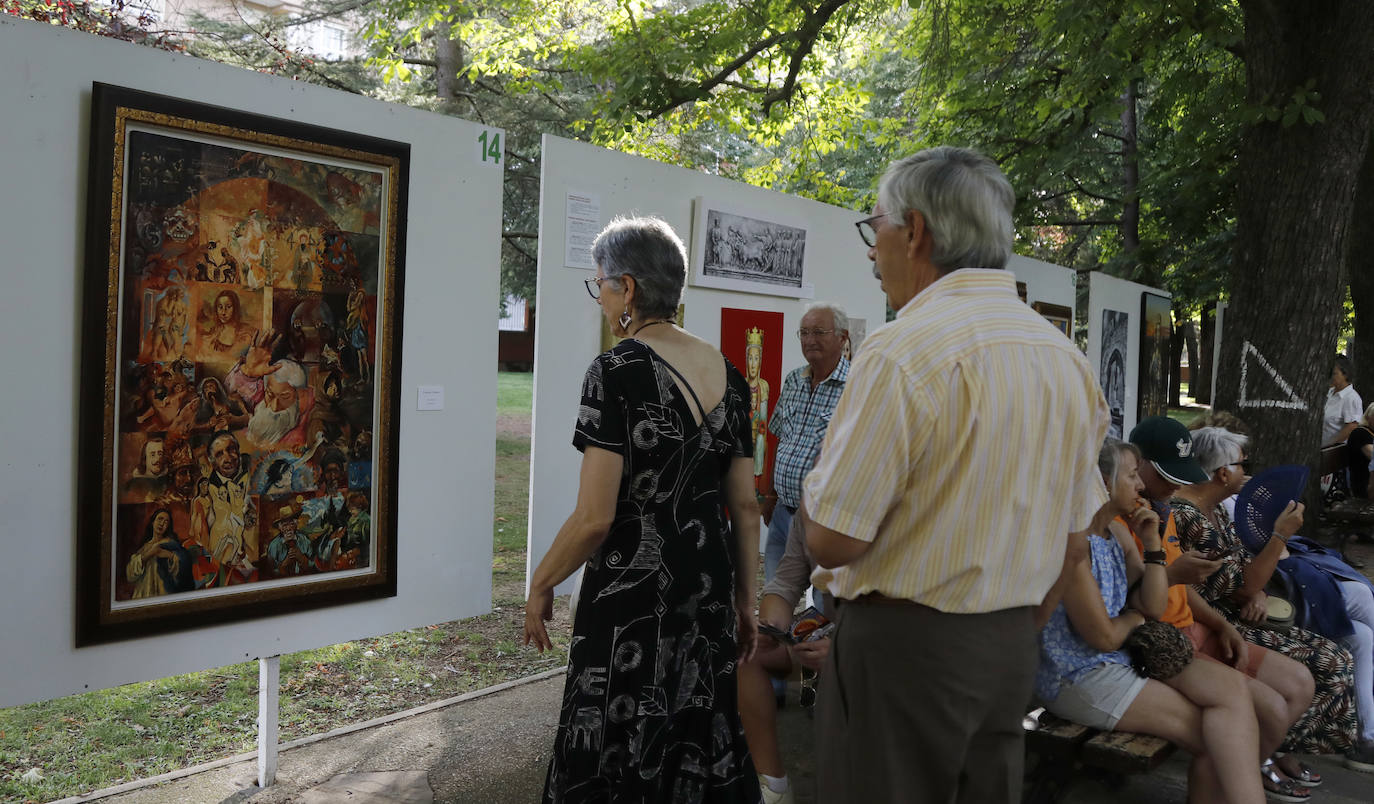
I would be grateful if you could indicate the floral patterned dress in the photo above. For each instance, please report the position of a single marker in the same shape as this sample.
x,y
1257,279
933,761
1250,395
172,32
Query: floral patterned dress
x,y
1331,724
649,710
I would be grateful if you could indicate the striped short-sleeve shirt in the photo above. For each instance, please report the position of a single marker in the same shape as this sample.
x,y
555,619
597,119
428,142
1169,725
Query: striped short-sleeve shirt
x,y
964,448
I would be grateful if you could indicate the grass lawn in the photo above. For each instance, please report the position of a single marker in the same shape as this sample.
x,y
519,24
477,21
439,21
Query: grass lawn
x,y
514,393
98,739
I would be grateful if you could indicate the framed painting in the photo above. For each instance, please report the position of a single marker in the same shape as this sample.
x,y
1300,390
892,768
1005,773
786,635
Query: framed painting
x,y
1058,314
753,252
1112,372
1156,328
752,341
240,360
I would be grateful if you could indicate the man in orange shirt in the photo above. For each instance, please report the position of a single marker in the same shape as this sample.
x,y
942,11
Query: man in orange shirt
x,y
1281,687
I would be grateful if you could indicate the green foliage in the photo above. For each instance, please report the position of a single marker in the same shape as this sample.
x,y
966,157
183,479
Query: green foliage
x,y
119,19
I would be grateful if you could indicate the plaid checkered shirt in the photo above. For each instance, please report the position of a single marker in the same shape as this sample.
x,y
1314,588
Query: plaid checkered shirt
x,y
799,421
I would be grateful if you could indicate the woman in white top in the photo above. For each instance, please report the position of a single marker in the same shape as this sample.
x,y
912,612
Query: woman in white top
x,y
1344,408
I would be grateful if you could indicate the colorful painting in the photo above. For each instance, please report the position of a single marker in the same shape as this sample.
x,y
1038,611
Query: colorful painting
x,y
749,251
239,456
1156,328
752,341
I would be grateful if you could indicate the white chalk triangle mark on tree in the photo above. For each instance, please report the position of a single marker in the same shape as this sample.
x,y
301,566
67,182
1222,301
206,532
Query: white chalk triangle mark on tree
x,y
1291,403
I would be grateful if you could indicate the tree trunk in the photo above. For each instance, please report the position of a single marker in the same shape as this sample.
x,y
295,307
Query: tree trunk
x,y
1189,330
448,62
1359,267
1130,180
1202,377
1295,197
1176,357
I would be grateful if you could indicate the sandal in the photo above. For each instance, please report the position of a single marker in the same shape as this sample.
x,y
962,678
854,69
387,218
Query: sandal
x,y
1277,788
1306,775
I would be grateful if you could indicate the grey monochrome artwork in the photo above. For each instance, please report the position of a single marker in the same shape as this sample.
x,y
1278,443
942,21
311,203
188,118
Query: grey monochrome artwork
x,y
739,250
1113,372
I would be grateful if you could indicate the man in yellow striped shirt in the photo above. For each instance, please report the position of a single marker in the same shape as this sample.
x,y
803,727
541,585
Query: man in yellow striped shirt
x,y
961,455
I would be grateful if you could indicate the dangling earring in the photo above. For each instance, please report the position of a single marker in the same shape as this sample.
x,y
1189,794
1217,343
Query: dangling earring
x,y
625,320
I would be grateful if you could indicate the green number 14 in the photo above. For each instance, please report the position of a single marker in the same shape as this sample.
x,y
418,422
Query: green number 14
x,y
490,149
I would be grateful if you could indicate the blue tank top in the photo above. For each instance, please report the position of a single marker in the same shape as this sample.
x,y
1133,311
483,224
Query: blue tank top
x,y
1064,656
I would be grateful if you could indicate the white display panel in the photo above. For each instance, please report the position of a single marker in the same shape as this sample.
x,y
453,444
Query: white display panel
x,y
567,335
1110,293
1045,281
449,340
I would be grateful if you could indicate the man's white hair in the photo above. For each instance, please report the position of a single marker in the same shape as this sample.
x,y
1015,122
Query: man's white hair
x,y
841,320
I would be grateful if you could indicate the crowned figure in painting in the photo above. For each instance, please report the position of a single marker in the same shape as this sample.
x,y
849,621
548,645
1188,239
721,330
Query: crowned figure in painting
x,y
758,402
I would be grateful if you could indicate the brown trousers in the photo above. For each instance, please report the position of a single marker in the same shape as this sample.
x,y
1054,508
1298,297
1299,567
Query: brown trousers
x,y
916,705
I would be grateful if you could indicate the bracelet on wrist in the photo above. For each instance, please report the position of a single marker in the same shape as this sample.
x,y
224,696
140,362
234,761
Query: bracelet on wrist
x,y
1157,563
1156,557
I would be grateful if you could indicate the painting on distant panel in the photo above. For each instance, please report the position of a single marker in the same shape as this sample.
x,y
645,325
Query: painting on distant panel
x,y
1156,327
1112,373
858,330
1058,314
746,250
239,411
752,341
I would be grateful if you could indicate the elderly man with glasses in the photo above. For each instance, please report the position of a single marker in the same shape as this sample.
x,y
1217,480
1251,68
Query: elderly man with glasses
x,y
809,395
960,457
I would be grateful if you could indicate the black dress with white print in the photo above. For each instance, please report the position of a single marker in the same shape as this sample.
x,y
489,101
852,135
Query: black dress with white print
x,y
649,708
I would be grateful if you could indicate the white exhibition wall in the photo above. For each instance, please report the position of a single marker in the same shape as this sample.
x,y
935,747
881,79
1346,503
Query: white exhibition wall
x,y
1045,281
449,339
567,336
1110,293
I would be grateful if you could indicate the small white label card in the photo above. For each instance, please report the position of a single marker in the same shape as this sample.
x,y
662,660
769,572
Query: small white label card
x,y
431,397
582,224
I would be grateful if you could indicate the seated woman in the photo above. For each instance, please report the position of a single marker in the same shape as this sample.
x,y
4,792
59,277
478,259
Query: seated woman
x,y
1085,677
1338,598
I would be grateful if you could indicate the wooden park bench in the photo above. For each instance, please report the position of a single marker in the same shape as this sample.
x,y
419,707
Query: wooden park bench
x,y
1351,516
1058,752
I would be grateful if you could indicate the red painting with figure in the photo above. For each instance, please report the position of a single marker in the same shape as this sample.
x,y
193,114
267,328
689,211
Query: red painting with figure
x,y
753,340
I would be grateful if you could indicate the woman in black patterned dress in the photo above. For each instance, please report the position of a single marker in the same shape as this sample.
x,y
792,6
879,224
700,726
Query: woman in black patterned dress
x,y
666,608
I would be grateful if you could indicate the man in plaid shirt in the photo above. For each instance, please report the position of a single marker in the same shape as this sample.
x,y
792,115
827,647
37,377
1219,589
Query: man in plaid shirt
x,y
799,420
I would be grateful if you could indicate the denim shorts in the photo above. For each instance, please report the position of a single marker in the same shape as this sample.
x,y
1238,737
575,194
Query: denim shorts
x,y
1100,697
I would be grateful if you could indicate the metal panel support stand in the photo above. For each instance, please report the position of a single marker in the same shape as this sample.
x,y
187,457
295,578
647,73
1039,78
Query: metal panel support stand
x,y
269,678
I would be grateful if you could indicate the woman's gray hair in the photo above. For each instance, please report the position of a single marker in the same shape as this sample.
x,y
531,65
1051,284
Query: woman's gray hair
x,y
648,249
1215,447
841,320
1109,458
965,200
1369,414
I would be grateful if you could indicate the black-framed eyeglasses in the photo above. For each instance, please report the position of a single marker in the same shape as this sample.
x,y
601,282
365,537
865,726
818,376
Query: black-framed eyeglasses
x,y
594,286
1244,465
868,231
819,333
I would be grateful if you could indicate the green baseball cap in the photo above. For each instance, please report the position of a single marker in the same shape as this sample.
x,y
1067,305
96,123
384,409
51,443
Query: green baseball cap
x,y
1168,446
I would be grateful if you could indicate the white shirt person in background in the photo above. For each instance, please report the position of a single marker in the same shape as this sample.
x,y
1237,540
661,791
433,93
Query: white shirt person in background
x,y
1344,408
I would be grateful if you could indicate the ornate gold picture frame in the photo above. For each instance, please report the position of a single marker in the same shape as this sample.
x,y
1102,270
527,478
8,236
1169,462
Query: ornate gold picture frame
x,y
241,364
